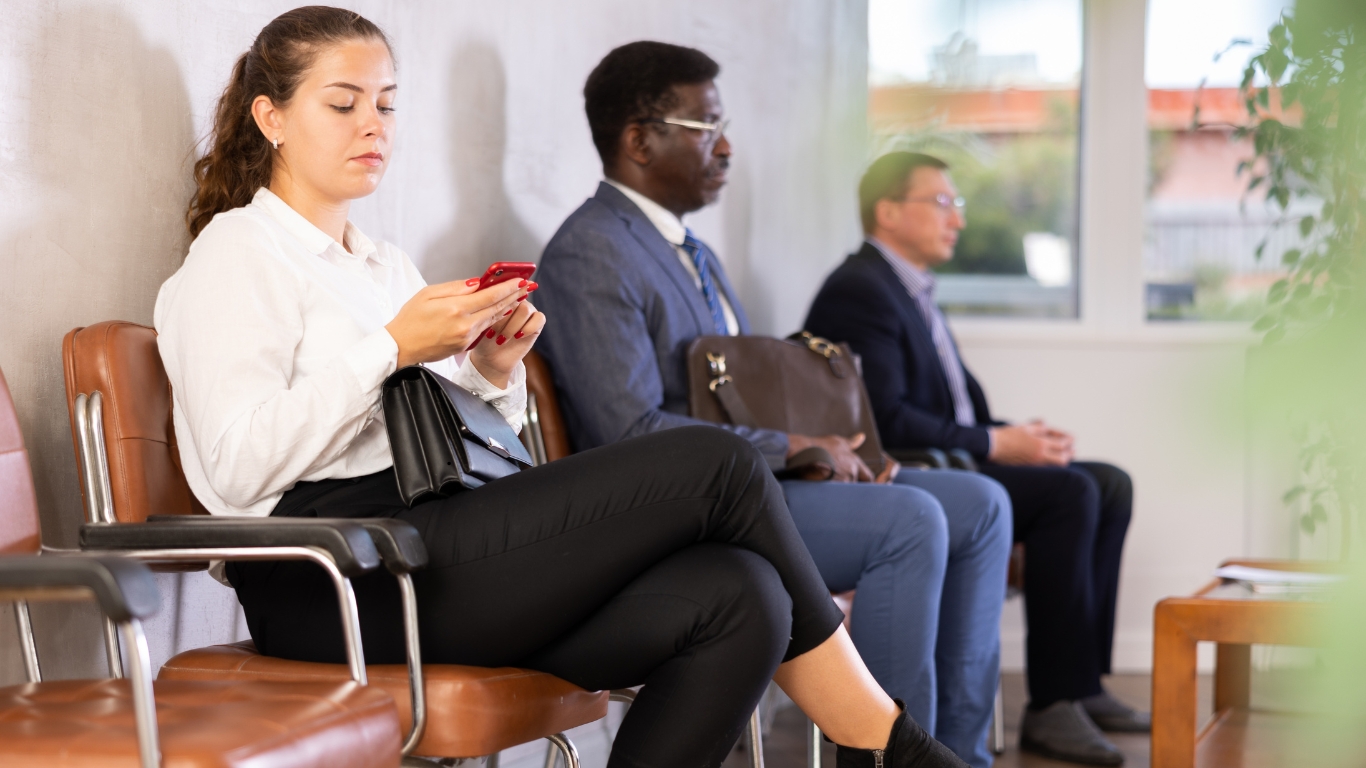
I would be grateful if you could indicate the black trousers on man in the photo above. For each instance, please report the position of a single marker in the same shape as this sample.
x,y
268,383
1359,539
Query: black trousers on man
x,y
668,560
1072,521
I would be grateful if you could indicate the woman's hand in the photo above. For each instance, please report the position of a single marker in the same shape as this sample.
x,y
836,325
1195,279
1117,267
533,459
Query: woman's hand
x,y
506,343
444,319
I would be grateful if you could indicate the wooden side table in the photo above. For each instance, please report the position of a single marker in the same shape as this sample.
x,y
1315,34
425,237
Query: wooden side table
x,y
1235,618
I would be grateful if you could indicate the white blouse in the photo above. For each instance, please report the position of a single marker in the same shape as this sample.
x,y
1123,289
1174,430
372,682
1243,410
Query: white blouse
x,y
273,337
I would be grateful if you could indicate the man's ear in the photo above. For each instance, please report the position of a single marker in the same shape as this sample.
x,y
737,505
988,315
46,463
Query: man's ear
x,y
635,144
887,213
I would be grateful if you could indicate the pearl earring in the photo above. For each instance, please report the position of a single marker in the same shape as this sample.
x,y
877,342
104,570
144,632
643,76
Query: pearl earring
x,y
276,142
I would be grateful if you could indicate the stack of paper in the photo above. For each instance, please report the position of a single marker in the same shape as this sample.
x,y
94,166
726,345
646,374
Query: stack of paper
x,y
1267,580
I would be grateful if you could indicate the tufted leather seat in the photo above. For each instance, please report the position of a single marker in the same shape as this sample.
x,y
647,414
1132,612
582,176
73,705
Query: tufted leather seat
x,y
473,710
80,723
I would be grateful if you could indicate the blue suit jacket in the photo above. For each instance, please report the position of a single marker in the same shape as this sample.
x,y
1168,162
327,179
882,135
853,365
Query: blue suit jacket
x,y
621,310
864,303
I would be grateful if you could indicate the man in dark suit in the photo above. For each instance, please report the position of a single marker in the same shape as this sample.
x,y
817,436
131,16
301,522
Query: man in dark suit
x,y
629,287
1072,516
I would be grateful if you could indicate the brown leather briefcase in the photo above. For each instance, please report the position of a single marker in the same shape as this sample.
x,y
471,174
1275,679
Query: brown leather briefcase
x,y
801,385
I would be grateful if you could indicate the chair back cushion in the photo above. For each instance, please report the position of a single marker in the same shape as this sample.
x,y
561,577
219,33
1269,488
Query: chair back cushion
x,y
18,505
120,361
540,381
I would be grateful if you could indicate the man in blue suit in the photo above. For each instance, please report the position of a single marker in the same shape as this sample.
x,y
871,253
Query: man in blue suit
x,y
629,286
1072,516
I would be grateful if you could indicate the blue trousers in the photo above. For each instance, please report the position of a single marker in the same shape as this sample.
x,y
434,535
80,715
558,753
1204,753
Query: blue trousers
x,y
928,556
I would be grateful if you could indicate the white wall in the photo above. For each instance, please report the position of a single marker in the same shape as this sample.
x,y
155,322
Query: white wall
x,y
106,99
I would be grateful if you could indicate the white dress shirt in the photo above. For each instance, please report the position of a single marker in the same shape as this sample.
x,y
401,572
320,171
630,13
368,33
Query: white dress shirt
x,y
273,337
671,227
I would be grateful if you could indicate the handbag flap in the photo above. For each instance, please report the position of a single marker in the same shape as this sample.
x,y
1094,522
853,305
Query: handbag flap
x,y
483,425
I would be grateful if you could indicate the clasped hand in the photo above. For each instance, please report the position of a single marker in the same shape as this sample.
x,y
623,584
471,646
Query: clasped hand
x,y
1033,444
849,466
445,319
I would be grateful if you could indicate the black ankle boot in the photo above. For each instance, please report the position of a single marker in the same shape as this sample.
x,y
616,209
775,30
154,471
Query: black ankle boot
x,y
909,747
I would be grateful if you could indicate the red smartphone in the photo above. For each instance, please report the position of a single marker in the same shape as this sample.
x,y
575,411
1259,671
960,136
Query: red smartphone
x,y
499,272
502,271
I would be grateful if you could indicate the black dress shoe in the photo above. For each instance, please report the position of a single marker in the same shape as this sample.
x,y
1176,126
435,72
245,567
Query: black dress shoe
x,y
1111,714
1063,731
909,747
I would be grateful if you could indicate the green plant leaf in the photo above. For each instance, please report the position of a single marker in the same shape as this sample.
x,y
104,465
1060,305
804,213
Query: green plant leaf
x,y
1307,524
1275,294
1292,494
1306,226
1290,257
1319,513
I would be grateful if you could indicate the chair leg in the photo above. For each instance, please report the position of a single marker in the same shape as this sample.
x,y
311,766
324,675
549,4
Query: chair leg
x,y
813,746
756,740
998,723
564,748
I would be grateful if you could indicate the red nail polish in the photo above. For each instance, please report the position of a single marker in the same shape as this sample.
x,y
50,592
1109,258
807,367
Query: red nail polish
x,y
510,311
532,287
521,298
489,333
521,283
499,341
518,335
472,281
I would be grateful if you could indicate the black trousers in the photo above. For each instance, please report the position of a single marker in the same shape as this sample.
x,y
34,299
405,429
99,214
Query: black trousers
x,y
668,561
1072,521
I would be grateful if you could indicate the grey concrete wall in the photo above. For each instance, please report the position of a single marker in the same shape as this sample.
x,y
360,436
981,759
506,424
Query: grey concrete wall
x,y
105,101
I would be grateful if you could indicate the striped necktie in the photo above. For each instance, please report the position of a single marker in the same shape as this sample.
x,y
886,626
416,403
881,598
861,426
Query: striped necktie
x,y
699,252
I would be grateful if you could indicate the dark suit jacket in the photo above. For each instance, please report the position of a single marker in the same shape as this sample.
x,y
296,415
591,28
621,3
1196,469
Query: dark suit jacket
x,y
621,311
864,303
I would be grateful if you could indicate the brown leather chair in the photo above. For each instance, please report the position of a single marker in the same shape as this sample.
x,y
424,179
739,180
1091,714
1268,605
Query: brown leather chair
x,y
466,711
123,722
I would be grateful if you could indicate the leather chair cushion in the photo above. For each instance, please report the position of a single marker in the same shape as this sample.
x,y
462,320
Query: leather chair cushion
x,y
120,360
471,711
89,723
540,381
19,513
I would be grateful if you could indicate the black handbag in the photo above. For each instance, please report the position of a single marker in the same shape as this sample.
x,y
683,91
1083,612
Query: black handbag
x,y
444,438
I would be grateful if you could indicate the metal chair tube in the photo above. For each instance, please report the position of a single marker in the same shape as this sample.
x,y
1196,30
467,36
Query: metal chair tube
x,y
112,656
144,705
813,747
756,740
417,686
998,723
346,596
104,509
30,649
566,750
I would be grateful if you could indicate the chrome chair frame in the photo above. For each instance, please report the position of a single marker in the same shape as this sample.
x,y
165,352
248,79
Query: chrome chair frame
x,y
94,471
144,701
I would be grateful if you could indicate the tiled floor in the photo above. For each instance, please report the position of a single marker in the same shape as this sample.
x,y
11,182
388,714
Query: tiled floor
x,y
786,744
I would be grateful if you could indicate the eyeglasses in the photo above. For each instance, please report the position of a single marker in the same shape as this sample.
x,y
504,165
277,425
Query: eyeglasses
x,y
943,201
714,131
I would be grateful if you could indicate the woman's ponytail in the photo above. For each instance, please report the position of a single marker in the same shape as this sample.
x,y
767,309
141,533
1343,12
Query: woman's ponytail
x,y
239,160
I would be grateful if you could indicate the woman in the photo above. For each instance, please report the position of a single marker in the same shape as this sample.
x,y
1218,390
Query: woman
x,y
669,561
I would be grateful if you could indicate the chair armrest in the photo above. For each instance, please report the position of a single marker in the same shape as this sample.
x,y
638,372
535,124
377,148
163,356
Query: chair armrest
x,y
399,544
348,543
124,588
932,458
961,459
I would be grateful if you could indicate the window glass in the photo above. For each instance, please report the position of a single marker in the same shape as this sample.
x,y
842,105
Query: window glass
x,y
1202,234
992,87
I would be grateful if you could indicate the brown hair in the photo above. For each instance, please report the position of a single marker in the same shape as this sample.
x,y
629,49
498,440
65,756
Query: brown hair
x,y
889,178
239,159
